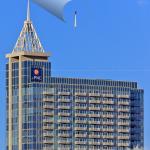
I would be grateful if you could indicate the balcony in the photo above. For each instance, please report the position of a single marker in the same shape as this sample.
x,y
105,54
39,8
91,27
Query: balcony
x,y
108,95
66,142
107,123
48,113
123,103
123,96
80,135
95,101
108,109
63,121
64,100
108,143
94,115
48,134
80,101
81,121
95,129
123,130
48,141
108,130
64,114
108,102
48,106
48,127
80,115
80,94
94,136
123,137
64,128
108,137
80,128
108,116
81,107
95,122
95,108
94,94
64,93
48,120
123,144
48,93
48,100
124,123
124,110
124,116
95,143
80,142
64,107
64,135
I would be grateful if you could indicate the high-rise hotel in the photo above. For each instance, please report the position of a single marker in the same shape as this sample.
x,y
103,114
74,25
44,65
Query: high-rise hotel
x,y
51,113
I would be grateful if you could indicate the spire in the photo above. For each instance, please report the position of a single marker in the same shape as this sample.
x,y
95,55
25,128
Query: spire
x,y
28,39
28,11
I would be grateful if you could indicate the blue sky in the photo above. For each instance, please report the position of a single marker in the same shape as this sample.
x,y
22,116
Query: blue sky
x,y
112,41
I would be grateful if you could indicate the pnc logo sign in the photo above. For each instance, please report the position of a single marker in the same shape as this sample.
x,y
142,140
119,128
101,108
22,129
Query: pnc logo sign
x,y
36,75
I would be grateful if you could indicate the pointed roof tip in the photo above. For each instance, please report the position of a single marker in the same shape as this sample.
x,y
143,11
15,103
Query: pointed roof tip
x,y
28,11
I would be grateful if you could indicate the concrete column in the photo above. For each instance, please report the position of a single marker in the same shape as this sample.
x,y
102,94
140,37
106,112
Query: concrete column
x,y
20,105
10,106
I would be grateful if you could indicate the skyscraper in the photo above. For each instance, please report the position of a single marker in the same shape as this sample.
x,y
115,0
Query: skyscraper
x,y
51,113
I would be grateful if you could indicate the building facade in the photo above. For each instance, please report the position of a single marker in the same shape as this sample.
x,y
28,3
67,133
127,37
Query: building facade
x,y
51,113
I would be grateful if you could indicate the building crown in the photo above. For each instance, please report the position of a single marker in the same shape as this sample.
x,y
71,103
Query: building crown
x,y
28,39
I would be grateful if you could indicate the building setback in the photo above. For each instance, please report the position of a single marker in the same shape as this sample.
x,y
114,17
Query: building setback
x,y
51,113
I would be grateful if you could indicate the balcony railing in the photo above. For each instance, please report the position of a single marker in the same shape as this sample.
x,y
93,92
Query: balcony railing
x,y
123,103
95,122
95,136
48,106
64,135
80,101
80,94
95,143
64,100
108,130
81,135
108,109
63,107
64,114
81,107
123,144
94,115
48,100
95,101
80,128
123,96
63,121
48,141
64,128
123,137
48,113
95,108
109,102
124,116
94,94
64,93
80,115
80,142
48,134
124,130
48,127
123,123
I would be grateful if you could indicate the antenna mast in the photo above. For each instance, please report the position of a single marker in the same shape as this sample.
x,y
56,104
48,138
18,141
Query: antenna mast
x,y
28,11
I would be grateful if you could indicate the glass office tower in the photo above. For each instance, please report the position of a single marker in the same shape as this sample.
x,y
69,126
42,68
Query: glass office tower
x,y
50,113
